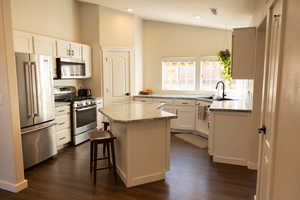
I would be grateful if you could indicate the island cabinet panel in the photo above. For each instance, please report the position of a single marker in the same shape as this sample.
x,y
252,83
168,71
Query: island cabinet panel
x,y
232,139
142,150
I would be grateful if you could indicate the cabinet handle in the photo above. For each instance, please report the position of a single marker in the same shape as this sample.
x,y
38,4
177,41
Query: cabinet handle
x,y
176,112
184,103
61,111
61,123
62,138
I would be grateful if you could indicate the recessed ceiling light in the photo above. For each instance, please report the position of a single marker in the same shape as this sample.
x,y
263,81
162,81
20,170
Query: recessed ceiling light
x,y
197,17
130,10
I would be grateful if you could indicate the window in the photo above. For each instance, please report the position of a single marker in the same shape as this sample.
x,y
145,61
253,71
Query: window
x,y
179,75
192,74
210,73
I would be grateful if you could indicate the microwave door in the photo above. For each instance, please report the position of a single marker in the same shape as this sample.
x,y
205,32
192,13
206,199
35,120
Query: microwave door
x,y
25,90
43,95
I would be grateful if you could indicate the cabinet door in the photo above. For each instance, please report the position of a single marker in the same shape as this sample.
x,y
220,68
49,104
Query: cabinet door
x,y
44,45
201,124
116,76
87,59
75,50
170,109
186,118
63,49
23,42
243,53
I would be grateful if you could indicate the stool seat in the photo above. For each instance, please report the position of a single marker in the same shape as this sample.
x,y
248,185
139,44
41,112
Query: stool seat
x,y
100,135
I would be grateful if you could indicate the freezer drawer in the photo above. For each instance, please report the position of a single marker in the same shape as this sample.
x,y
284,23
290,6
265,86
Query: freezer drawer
x,y
38,143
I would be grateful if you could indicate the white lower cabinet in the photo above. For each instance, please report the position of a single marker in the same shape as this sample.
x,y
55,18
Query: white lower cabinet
x,y
63,125
202,119
185,118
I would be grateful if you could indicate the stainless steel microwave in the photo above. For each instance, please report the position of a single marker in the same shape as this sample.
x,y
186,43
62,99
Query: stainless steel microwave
x,y
71,69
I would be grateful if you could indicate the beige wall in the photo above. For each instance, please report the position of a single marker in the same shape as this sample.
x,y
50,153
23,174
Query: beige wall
x,y
90,34
171,40
139,55
56,18
116,28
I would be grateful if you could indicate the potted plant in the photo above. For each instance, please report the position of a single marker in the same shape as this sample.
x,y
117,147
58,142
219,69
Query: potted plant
x,y
224,58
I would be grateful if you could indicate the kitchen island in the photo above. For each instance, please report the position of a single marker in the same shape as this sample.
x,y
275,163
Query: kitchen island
x,y
143,140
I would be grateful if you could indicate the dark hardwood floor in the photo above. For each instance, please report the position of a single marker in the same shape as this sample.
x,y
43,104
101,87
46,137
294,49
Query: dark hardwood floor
x,y
193,176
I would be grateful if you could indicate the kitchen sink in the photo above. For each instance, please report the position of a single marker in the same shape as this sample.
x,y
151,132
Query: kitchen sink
x,y
220,99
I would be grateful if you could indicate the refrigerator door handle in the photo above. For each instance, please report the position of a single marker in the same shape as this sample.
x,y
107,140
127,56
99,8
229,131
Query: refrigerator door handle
x,y
35,89
28,84
39,128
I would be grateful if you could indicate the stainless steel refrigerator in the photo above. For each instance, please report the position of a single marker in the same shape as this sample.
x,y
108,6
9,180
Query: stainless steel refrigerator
x,y
36,104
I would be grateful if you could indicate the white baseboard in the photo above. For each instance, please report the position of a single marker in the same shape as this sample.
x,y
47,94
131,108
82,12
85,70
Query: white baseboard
x,y
229,160
13,187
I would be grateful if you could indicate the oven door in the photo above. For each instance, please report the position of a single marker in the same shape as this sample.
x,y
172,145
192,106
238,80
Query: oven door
x,y
84,119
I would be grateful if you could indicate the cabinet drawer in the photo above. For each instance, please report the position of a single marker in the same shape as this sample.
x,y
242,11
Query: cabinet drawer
x,y
62,122
62,110
166,101
143,99
183,102
63,137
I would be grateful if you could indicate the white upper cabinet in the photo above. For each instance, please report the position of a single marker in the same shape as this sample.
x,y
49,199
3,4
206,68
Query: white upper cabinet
x,y
243,53
87,59
63,49
23,42
75,50
44,45
67,49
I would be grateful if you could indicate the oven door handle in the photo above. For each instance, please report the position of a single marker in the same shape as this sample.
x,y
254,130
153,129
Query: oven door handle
x,y
88,108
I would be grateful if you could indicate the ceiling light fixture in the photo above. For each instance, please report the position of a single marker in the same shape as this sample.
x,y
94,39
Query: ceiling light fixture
x,y
129,9
197,17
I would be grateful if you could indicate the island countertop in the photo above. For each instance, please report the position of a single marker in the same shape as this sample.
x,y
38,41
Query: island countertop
x,y
135,111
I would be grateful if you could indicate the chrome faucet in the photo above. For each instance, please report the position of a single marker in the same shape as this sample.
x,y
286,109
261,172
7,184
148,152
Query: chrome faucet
x,y
221,82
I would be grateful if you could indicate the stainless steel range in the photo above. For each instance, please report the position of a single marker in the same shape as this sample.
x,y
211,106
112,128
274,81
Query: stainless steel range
x,y
83,115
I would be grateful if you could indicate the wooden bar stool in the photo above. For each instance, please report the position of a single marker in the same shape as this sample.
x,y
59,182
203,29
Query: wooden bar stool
x,y
105,127
105,138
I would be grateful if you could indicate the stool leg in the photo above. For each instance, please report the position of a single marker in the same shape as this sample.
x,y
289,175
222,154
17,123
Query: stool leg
x,y
104,149
91,156
95,162
113,159
108,154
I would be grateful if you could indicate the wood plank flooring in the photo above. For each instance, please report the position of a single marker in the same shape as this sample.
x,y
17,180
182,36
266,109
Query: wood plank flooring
x,y
193,176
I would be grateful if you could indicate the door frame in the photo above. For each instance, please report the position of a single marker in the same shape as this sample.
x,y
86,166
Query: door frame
x,y
269,14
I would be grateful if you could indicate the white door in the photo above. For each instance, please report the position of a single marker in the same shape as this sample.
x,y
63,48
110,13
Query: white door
x,y
269,108
116,76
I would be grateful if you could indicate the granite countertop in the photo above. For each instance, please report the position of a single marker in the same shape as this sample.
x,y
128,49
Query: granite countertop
x,y
233,106
135,111
58,104
236,105
176,96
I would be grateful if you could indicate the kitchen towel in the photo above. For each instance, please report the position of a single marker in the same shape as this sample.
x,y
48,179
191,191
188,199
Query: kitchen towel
x,y
202,112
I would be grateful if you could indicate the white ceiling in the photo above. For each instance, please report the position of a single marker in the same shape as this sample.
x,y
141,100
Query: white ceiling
x,y
231,13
